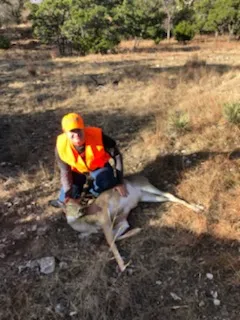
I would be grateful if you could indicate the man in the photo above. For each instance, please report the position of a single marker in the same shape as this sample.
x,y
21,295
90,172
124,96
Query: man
x,y
82,151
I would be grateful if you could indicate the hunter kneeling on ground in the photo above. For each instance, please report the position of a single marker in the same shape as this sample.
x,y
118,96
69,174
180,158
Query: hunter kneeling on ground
x,y
82,151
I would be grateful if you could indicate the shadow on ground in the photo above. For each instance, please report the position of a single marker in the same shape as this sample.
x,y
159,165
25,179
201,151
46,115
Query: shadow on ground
x,y
27,139
174,275
170,167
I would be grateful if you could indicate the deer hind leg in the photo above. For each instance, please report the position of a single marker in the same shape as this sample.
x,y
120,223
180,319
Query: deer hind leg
x,y
151,193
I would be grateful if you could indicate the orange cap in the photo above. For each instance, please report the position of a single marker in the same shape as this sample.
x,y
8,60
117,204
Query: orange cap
x,y
72,121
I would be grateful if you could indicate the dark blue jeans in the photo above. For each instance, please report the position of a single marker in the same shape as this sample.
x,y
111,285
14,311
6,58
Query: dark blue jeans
x,y
103,179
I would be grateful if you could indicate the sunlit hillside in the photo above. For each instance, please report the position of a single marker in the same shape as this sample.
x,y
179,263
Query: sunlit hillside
x,y
164,104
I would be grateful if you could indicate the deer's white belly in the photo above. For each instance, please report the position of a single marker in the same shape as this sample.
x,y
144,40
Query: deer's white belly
x,y
123,205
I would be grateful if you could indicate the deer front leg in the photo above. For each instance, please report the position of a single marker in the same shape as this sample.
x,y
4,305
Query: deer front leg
x,y
108,232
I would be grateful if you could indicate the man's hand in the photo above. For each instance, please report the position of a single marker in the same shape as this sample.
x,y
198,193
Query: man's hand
x,y
121,188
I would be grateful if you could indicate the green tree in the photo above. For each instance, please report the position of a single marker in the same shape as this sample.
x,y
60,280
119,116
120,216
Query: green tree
x,y
90,29
218,16
140,19
225,16
184,31
84,24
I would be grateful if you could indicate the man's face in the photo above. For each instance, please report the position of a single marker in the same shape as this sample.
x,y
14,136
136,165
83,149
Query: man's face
x,y
76,136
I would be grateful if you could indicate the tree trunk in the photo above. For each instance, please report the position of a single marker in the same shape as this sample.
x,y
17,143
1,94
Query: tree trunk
x,y
136,43
230,33
168,27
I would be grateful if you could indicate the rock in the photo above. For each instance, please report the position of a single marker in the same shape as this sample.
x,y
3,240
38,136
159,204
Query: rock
x,y
73,313
209,276
60,309
8,204
201,304
214,294
216,302
129,271
16,201
175,296
47,265
158,282
34,227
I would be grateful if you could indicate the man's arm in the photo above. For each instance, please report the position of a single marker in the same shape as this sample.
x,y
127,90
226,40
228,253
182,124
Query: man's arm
x,y
65,174
111,148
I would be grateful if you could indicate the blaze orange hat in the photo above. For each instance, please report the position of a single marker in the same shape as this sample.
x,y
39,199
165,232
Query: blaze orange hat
x,y
72,121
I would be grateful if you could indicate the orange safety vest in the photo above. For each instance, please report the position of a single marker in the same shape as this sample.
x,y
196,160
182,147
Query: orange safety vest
x,y
95,155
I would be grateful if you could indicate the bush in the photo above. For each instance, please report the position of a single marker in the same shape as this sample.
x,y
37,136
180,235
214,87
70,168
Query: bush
x,y
184,31
231,112
179,122
85,26
5,43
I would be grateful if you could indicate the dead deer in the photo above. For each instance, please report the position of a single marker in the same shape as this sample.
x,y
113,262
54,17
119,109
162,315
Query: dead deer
x,y
110,211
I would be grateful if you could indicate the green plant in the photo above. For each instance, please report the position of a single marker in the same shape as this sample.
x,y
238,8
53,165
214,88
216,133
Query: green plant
x,y
184,31
5,43
179,122
231,112
84,25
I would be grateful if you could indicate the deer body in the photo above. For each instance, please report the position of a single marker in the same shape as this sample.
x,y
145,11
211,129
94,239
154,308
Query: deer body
x,y
110,211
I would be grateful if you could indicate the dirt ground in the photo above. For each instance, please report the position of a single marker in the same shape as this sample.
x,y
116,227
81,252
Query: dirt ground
x,y
184,265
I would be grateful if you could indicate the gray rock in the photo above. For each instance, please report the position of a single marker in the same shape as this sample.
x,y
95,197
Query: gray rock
x,y
216,302
175,296
209,276
47,265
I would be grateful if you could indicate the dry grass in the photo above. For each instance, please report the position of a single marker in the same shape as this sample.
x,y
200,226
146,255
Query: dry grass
x,y
130,95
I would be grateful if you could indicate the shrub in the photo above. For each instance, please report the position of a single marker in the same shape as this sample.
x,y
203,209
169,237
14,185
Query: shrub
x,y
184,31
231,112
179,122
5,43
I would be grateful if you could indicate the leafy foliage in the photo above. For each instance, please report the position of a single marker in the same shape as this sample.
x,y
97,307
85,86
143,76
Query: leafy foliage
x,y
232,112
218,16
184,31
141,19
179,122
85,25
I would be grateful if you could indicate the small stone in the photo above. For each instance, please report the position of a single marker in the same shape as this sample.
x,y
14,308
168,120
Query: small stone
x,y
8,204
47,265
129,271
158,282
214,294
60,309
175,296
16,201
216,302
34,227
209,276
73,313
201,304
